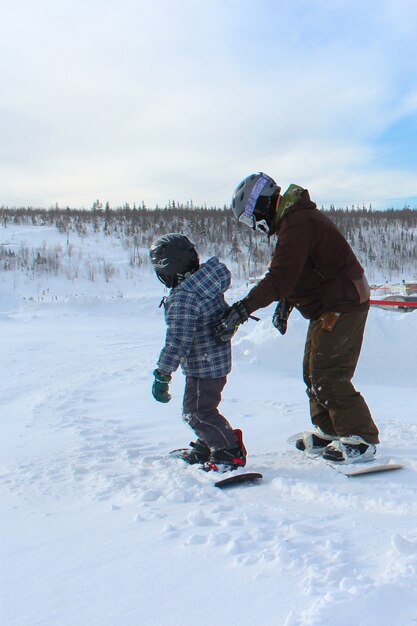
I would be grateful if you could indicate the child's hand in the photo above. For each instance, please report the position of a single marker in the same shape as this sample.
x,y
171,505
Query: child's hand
x,y
160,387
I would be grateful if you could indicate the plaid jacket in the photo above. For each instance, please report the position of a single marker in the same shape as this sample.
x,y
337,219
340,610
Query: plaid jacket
x,y
189,311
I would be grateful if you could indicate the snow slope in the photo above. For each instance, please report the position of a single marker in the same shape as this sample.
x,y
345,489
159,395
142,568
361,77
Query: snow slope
x,y
98,527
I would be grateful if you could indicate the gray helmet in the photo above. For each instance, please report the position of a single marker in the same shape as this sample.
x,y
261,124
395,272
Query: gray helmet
x,y
172,257
254,201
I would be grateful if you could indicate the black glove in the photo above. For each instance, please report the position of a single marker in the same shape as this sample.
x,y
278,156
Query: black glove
x,y
225,327
160,387
281,315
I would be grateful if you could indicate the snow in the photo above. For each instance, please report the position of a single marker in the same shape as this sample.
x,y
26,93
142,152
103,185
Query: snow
x,y
98,527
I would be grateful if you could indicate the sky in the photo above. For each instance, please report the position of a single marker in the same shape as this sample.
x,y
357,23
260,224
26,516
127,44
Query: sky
x,y
135,102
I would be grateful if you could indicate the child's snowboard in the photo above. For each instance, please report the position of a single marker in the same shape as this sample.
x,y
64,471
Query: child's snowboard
x,y
239,479
231,481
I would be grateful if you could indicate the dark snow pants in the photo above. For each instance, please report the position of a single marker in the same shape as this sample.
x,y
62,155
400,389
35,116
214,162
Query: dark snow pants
x,y
202,396
330,360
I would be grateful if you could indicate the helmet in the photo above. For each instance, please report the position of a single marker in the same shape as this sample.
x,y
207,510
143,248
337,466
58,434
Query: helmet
x,y
254,201
172,257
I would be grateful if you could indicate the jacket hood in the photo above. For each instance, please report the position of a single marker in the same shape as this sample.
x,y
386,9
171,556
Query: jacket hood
x,y
212,279
295,197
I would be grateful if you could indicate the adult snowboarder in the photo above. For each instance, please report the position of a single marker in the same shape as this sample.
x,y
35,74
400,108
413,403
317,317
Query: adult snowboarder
x,y
314,270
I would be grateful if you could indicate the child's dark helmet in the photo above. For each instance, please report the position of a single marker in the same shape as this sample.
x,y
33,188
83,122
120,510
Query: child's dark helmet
x,y
173,256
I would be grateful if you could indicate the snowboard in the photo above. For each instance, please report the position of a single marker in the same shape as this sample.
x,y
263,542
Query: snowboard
x,y
239,479
176,454
231,481
372,466
360,469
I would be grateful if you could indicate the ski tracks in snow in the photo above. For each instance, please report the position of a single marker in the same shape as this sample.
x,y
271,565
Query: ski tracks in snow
x,y
89,431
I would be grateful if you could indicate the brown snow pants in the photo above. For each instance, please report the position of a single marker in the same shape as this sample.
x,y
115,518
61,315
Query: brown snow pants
x,y
329,364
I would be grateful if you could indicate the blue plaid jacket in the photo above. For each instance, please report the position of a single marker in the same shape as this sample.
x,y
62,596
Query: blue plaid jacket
x,y
189,311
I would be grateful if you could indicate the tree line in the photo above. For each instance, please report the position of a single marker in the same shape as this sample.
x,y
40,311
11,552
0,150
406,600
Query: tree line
x,y
384,241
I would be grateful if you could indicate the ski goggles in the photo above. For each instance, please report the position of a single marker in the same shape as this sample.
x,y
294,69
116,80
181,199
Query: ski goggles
x,y
248,216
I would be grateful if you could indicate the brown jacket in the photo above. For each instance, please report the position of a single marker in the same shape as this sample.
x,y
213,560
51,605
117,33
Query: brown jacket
x,y
313,266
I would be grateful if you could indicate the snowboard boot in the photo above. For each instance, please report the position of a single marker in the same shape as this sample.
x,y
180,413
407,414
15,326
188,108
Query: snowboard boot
x,y
314,443
351,449
198,452
227,459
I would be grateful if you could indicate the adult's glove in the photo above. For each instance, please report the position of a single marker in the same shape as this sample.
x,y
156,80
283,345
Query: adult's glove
x,y
226,326
281,315
160,387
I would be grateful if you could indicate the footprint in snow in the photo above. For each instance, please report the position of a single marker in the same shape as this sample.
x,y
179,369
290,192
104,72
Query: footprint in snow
x,y
403,546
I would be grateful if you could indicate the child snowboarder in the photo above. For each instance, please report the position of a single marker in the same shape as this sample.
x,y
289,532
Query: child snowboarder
x,y
195,301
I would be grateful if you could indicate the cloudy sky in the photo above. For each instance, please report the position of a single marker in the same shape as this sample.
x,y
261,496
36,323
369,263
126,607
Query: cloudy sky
x,y
152,100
